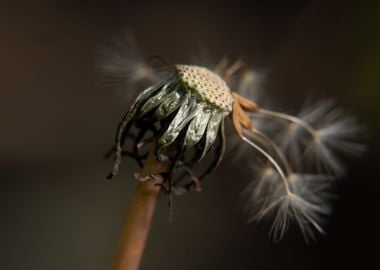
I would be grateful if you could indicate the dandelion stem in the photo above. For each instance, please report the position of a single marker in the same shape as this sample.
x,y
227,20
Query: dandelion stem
x,y
139,216
289,118
274,163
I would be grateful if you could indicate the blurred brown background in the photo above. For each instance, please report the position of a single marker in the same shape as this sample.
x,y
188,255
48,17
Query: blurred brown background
x,y
57,120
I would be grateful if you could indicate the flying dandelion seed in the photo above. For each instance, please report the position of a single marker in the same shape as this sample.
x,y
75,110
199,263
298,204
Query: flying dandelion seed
x,y
187,108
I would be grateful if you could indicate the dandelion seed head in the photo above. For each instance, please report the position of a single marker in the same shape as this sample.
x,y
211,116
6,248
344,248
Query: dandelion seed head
x,y
187,108
210,86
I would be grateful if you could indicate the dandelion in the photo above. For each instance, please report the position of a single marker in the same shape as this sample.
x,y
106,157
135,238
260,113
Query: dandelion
x,y
182,117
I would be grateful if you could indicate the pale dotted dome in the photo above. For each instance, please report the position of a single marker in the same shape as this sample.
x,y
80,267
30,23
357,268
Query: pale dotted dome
x,y
208,84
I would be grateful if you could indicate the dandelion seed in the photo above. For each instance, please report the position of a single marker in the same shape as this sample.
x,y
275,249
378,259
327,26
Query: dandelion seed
x,y
187,108
124,67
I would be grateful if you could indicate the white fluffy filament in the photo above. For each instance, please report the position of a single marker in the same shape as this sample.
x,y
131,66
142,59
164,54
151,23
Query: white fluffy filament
x,y
289,118
274,146
272,161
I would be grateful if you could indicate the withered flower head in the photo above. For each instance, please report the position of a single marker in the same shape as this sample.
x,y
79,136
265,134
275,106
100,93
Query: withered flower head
x,y
185,110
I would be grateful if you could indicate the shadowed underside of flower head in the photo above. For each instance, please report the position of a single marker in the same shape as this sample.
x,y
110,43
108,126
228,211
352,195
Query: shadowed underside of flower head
x,y
187,108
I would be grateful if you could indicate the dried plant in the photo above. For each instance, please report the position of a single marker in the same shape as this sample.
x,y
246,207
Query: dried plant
x,y
185,110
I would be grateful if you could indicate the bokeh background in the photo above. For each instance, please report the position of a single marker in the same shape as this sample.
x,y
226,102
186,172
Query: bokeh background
x,y
57,120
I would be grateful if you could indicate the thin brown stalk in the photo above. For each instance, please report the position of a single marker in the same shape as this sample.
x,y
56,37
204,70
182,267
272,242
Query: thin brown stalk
x,y
139,216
